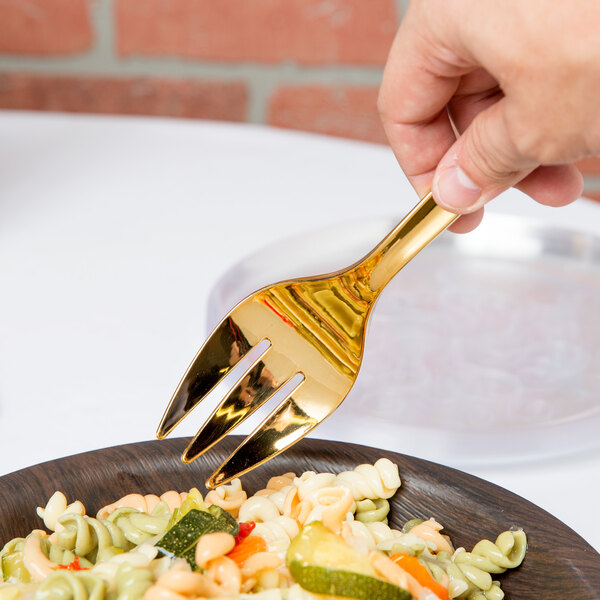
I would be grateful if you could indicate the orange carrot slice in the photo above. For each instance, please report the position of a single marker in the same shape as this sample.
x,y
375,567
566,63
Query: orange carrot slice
x,y
413,567
253,544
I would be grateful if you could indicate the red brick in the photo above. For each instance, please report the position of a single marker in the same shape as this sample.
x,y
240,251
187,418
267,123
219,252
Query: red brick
x,y
589,166
132,96
307,31
343,111
45,26
592,194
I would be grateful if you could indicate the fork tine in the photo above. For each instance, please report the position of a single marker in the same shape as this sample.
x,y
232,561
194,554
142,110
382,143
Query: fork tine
x,y
251,392
225,347
295,416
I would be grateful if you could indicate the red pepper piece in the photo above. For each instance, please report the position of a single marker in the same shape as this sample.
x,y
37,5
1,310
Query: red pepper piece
x,y
245,530
75,565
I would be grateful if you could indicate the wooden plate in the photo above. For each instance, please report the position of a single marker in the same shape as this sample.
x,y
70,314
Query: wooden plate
x,y
559,563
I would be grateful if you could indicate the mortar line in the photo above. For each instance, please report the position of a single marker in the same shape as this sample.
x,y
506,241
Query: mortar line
x,y
592,182
105,25
167,67
401,6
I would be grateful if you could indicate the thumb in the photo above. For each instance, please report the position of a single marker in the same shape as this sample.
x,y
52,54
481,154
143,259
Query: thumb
x,y
482,163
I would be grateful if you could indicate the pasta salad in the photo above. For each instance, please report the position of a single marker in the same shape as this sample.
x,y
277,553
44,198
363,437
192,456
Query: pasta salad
x,y
317,535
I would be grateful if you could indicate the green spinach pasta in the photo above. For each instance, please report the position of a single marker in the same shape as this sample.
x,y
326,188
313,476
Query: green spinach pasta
x,y
317,535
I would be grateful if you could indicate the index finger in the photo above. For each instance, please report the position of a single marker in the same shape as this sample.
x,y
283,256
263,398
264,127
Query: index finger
x,y
416,87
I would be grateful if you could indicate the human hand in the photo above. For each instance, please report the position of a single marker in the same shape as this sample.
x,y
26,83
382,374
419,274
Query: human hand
x,y
518,80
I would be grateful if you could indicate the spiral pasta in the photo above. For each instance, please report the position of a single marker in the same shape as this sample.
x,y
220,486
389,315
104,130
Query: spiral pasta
x,y
71,586
179,583
470,572
366,537
278,533
277,482
220,577
380,480
146,503
328,504
139,527
408,543
140,557
229,497
12,553
12,546
258,509
91,538
294,592
310,481
370,511
56,507
429,531
124,554
132,582
261,572
12,591
493,593
41,557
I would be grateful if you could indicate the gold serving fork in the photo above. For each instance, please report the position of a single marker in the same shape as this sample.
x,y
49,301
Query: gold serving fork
x,y
315,327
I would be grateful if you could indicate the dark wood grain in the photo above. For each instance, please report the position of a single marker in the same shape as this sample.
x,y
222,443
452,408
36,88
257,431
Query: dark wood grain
x,y
559,563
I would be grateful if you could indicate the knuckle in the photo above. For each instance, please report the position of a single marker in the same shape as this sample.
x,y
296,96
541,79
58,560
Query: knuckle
x,y
545,142
528,144
492,159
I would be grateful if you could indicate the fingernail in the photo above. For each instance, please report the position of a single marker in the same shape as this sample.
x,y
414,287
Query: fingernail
x,y
453,188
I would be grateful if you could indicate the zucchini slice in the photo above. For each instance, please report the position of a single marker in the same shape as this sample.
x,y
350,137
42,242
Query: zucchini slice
x,y
181,539
322,563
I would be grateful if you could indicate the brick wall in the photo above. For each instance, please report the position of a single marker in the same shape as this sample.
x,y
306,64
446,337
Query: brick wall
x,y
313,65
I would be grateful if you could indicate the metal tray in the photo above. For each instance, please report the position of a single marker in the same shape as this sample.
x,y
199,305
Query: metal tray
x,y
484,349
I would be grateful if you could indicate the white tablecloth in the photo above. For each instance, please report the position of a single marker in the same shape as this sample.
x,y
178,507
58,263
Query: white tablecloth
x,y
112,233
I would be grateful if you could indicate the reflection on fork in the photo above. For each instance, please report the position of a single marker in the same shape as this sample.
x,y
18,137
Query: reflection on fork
x,y
314,330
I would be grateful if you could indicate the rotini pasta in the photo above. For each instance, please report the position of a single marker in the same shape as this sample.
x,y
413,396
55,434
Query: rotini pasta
x,y
310,481
470,573
180,546
91,538
55,508
229,497
132,582
429,531
145,503
140,557
380,480
71,586
278,533
139,527
367,536
371,511
41,557
380,536
258,509
327,504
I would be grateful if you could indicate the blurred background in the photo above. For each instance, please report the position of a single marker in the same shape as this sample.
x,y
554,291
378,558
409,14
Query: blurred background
x,y
311,65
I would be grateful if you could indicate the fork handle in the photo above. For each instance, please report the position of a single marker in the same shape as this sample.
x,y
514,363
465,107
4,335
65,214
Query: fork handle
x,y
424,223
